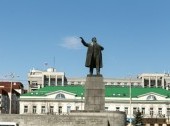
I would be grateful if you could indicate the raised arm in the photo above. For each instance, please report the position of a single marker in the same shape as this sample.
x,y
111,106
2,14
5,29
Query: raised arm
x,y
83,42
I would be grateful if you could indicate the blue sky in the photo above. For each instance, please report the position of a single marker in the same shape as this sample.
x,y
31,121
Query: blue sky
x,y
134,33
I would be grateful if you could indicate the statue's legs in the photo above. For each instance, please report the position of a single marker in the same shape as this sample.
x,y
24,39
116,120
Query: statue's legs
x,y
97,71
91,70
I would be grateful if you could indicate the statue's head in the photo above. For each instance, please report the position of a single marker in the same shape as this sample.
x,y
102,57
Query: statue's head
x,y
94,39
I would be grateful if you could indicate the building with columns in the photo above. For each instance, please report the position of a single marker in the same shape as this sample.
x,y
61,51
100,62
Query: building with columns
x,y
143,80
155,80
41,78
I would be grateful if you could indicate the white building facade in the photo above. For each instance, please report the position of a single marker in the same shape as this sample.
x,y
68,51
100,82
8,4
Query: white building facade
x,y
41,78
143,80
152,102
38,78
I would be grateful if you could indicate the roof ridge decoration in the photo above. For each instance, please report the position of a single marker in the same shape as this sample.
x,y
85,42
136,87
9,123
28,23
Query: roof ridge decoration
x,y
59,91
152,93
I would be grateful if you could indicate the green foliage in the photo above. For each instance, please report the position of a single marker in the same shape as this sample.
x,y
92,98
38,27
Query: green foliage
x,y
138,119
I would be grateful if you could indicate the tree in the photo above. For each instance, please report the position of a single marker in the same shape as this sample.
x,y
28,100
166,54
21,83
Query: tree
x,y
138,119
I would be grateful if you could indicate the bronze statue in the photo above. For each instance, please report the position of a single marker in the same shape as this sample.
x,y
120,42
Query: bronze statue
x,y
94,55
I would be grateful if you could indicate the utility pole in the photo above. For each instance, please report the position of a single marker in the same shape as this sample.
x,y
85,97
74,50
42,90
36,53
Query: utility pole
x,y
130,102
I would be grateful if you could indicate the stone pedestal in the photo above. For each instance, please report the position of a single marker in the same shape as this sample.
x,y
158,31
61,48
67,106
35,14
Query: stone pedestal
x,y
74,119
94,93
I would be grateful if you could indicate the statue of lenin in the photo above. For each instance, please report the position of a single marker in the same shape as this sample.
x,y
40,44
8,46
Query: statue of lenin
x,y
94,55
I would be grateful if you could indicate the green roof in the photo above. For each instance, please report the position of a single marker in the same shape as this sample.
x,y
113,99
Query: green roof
x,y
110,91
118,91
49,89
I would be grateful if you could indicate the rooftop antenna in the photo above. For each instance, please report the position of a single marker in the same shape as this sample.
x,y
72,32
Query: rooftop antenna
x,y
54,61
46,65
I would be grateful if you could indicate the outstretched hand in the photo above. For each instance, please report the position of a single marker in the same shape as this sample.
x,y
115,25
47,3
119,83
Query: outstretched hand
x,y
81,38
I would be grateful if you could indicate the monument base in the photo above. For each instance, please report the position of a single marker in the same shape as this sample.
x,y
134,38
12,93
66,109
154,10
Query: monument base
x,y
94,93
105,118
73,119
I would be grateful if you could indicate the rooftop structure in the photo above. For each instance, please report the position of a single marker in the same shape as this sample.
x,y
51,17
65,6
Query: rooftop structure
x,y
38,78
143,80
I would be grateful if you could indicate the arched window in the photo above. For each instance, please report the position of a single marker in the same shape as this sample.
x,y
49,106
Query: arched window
x,y
151,98
60,96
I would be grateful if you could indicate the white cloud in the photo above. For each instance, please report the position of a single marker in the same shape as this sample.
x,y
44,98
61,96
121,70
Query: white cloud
x,y
71,43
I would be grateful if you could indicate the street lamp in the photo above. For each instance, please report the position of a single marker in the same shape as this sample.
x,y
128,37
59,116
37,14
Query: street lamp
x,y
81,101
130,102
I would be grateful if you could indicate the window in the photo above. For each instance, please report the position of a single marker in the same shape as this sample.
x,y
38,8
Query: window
x,y
126,110
153,83
117,108
151,98
168,112
151,111
68,109
159,83
52,82
59,81
146,83
60,109
106,108
34,109
160,111
34,82
25,109
134,110
51,109
77,107
42,109
143,111
60,96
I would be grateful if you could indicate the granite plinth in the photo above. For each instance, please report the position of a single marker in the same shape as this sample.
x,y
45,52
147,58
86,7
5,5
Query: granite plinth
x,y
94,93
73,119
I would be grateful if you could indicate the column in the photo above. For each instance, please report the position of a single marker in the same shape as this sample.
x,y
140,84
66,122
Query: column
x,y
49,81
62,80
56,80
142,81
42,81
163,82
156,81
149,81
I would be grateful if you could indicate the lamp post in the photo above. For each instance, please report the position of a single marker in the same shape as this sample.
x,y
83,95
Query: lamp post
x,y
81,101
130,102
